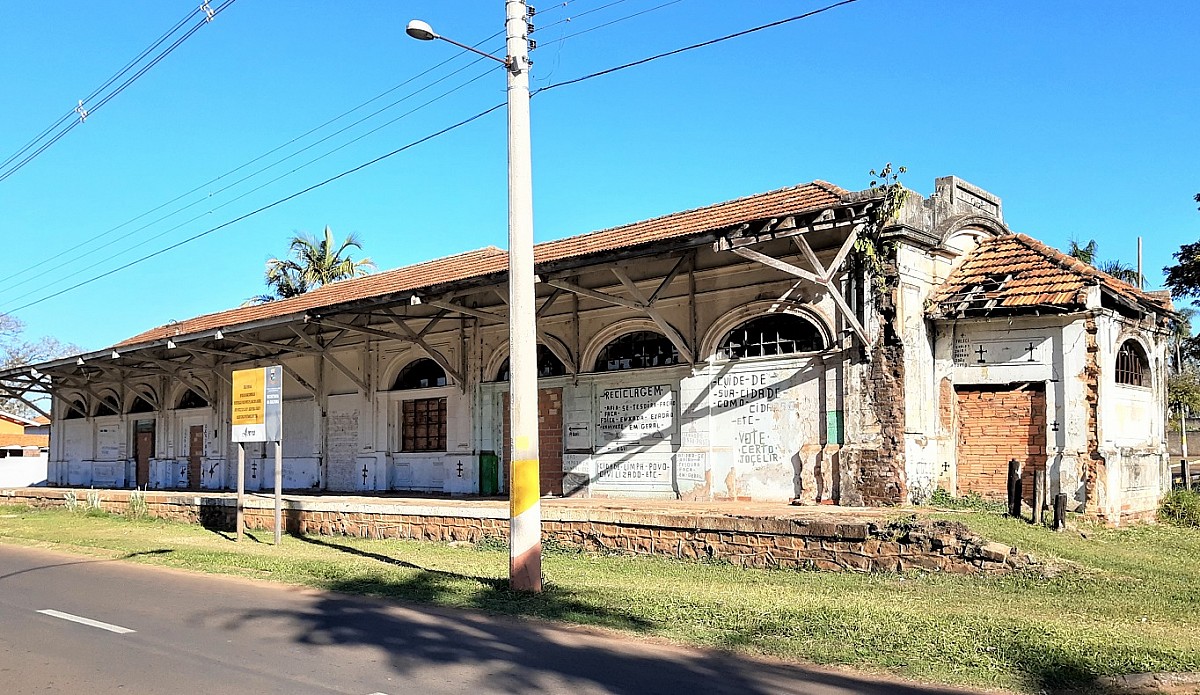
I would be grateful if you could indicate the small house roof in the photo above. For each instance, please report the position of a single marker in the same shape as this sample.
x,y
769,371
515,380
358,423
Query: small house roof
x,y
1015,273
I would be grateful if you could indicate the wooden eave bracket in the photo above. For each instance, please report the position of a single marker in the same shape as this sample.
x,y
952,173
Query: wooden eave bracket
x,y
820,275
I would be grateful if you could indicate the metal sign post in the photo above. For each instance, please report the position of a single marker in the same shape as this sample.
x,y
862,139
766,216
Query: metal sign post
x,y
258,417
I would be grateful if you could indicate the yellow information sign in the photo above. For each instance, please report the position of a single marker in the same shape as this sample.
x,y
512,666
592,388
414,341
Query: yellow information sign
x,y
257,397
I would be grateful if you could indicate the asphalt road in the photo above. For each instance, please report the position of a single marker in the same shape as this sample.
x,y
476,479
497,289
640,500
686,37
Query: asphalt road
x,y
194,633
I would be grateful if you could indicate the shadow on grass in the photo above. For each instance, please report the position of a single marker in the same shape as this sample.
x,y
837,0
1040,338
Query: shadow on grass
x,y
126,556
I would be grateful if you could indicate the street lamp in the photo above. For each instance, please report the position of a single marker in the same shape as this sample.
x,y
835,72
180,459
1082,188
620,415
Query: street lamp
x,y
525,512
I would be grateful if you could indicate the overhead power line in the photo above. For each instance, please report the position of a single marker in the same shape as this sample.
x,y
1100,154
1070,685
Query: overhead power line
x,y
694,46
414,143
83,110
58,257
87,100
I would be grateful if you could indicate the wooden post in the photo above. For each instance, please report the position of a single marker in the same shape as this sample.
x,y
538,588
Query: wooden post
x,y
1014,488
1039,496
1060,511
1185,469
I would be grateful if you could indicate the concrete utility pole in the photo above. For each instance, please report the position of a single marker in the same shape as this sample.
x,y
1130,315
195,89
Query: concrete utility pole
x,y
525,510
524,494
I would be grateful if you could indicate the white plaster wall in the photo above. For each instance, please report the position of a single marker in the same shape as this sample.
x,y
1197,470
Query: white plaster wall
x,y
24,471
1058,360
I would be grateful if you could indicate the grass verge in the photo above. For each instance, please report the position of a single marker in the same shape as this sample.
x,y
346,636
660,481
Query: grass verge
x,y
1126,602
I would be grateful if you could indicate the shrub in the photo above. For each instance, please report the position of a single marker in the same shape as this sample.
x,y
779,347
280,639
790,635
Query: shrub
x,y
1181,508
972,501
137,508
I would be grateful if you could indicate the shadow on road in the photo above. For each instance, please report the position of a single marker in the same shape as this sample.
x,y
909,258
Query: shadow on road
x,y
126,556
529,656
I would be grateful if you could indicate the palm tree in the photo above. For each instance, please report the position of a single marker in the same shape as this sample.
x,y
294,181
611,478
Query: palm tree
x,y
313,262
1117,269
1085,253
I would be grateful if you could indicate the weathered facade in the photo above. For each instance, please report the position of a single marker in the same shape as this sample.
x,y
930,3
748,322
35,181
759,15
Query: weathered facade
x,y
736,351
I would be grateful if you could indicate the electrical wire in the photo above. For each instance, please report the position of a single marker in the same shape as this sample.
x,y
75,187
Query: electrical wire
x,y
264,208
29,158
566,20
261,186
414,143
702,44
117,75
610,23
57,258
90,252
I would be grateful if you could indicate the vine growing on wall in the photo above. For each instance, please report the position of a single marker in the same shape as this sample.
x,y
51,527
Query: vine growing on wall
x,y
874,254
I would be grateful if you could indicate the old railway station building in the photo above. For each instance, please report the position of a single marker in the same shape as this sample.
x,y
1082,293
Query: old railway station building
x,y
740,351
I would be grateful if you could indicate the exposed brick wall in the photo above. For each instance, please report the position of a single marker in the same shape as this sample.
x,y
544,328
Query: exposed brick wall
x,y
1094,476
880,472
550,440
995,425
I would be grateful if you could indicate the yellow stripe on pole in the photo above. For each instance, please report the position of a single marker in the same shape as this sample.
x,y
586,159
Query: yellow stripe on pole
x,y
525,486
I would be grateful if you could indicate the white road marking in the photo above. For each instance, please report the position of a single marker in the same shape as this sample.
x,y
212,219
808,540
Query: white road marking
x,y
87,621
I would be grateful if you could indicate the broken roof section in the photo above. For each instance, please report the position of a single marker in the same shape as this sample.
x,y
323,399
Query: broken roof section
x,y
1015,274
489,261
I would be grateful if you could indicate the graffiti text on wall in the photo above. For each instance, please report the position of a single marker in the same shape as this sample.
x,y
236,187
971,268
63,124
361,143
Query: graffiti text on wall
x,y
636,413
748,391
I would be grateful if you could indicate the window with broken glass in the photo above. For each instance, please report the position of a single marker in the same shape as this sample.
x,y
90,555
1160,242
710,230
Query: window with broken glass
x,y
637,350
420,374
547,365
773,334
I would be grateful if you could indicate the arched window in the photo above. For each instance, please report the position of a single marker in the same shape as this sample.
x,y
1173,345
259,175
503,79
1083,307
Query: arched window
x,y
191,399
548,364
420,374
75,410
637,350
1132,365
140,405
108,406
771,334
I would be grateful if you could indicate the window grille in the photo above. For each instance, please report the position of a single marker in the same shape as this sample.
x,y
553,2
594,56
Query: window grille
x,y
1131,365
141,405
772,334
423,425
637,350
547,365
420,374
191,399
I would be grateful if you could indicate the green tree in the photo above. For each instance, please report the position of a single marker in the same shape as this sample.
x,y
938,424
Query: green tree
x,y
311,263
1087,253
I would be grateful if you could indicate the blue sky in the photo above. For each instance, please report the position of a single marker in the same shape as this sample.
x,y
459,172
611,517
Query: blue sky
x,y
1080,115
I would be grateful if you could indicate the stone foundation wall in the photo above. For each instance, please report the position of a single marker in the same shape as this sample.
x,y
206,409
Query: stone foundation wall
x,y
860,546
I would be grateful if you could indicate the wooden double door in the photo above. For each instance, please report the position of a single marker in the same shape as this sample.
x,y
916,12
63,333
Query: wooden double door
x,y
144,450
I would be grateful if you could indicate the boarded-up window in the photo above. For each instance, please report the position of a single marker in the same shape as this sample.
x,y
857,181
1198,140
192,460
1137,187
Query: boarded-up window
x,y
423,425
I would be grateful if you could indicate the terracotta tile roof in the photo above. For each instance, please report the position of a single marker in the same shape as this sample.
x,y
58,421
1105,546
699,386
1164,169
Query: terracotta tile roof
x,y
24,440
1015,271
795,199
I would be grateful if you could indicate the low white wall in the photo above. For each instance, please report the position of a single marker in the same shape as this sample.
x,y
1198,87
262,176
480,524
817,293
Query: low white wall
x,y
23,471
